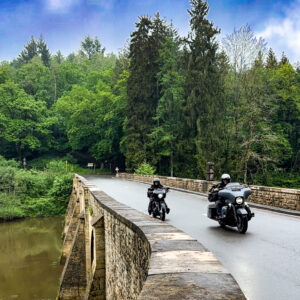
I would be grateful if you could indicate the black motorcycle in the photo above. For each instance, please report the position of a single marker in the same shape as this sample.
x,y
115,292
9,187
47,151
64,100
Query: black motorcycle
x,y
236,211
158,205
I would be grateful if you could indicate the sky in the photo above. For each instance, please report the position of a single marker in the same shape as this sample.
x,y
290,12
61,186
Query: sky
x,y
64,23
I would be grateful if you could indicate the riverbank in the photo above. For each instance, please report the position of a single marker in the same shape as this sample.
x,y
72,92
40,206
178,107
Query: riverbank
x,y
41,191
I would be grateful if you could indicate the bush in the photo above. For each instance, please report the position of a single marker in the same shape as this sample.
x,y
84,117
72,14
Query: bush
x,y
32,183
31,192
62,186
145,169
56,167
10,208
40,163
7,178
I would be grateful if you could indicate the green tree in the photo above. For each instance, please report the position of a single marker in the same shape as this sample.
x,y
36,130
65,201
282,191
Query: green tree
x,y
23,120
286,90
203,86
36,80
43,51
140,107
90,46
29,52
6,72
58,57
168,113
271,60
284,59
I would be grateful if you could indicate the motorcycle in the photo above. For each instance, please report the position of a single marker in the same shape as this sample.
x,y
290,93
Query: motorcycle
x,y
158,205
236,211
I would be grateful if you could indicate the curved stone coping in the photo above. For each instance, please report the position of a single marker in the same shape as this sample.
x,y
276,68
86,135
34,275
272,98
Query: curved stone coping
x,y
179,266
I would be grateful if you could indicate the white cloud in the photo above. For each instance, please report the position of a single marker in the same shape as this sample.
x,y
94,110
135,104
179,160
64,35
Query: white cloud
x,y
60,5
283,34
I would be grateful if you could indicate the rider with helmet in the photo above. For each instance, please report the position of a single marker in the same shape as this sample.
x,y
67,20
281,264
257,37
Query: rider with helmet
x,y
156,185
213,193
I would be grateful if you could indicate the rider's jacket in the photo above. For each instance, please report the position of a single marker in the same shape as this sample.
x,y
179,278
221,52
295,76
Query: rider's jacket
x,y
213,192
153,187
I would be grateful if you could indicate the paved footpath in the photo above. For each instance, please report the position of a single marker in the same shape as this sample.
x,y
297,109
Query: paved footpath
x,y
265,261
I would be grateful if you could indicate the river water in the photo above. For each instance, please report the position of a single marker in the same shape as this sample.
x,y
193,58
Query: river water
x,y
29,258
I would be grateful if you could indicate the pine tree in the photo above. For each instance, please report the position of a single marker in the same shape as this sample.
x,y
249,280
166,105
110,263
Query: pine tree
x,y
158,37
59,58
168,114
43,51
284,59
204,87
140,109
259,61
30,50
89,47
271,60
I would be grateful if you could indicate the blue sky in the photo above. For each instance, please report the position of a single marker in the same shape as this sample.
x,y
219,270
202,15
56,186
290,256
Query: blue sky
x,y
64,23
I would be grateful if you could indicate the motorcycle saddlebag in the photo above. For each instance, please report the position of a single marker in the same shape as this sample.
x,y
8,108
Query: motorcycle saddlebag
x,y
212,197
211,211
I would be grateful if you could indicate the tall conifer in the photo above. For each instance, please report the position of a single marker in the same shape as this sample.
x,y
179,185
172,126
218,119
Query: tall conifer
x,y
140,106
271,60
30,50
204,87
43,51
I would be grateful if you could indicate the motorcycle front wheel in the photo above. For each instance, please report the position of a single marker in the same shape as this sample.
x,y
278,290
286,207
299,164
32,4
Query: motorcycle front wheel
x,y
242,223
163,214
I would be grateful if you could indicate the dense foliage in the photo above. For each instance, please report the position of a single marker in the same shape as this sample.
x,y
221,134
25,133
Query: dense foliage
x,y
171,102
33,192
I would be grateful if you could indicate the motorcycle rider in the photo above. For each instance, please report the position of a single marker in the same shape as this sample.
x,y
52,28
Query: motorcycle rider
x,y
156,185
213,193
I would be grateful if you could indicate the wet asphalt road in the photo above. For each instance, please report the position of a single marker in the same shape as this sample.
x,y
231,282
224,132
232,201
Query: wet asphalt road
x,y
265,261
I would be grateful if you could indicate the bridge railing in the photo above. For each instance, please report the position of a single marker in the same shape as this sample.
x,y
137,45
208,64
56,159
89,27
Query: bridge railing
x,y
271,196
112,251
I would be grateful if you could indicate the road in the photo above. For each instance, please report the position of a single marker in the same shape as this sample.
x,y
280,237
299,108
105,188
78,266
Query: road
x,y
265,261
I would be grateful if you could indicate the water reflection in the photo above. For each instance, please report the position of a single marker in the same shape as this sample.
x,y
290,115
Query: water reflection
x,y
29,258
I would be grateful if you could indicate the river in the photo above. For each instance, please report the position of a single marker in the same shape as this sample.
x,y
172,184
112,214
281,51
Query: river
x,y
29,258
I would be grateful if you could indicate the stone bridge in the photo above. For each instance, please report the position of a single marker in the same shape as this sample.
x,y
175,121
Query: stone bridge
x,y
112,251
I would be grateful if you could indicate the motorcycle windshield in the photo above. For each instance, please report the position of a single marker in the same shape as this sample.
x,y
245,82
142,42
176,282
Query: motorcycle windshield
x,y
234,190
159,191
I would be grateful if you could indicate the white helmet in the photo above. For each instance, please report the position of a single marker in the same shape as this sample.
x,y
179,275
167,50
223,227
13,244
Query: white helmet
x,y
225,176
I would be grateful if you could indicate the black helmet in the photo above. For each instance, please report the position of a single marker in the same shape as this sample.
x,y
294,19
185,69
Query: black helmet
x,y
156,181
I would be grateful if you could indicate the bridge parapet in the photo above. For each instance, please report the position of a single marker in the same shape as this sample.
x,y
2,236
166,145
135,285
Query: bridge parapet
x,y
112,251
277,197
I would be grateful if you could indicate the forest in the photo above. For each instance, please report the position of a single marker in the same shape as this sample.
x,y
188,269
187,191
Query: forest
x,y
165,103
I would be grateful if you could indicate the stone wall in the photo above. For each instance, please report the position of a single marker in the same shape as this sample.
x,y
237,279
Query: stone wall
x,y
112,251
277,197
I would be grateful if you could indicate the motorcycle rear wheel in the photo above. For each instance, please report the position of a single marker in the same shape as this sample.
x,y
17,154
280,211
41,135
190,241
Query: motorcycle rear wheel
x,y
242,224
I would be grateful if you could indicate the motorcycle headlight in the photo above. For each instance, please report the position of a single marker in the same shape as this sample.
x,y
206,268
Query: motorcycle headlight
x,y
239,200
160,196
